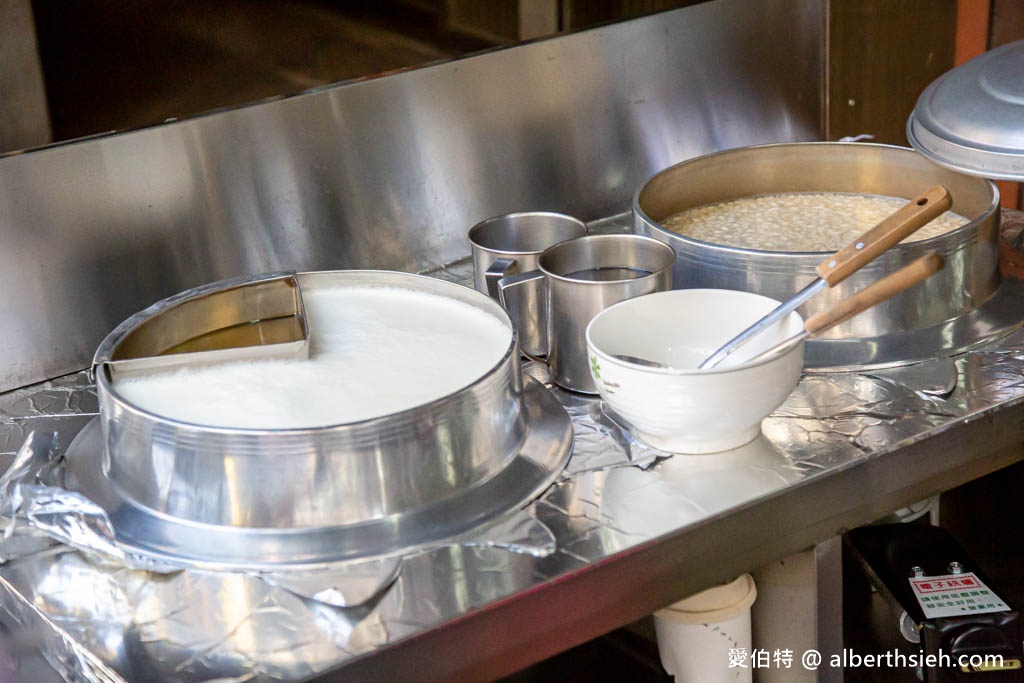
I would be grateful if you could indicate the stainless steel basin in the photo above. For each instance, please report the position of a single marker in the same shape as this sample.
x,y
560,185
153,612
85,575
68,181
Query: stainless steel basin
x,y
970,277
345,474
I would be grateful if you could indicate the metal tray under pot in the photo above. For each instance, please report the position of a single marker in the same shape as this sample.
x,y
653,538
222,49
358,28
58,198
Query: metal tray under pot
x,y
254,497
931,319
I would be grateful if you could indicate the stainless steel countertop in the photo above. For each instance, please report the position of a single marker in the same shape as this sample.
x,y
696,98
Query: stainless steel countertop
x,y
634,531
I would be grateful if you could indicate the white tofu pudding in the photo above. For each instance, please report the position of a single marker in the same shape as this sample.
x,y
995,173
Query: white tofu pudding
x,y
374,351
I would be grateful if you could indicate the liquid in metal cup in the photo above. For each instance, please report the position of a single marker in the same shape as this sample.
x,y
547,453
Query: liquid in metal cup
x,y
582,277
512,243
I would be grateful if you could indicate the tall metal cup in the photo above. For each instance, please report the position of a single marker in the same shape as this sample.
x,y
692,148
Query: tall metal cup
x,y
510,244
582,277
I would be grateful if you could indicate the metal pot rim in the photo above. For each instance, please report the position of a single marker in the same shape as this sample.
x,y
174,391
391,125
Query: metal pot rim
x,y
946,240
545,256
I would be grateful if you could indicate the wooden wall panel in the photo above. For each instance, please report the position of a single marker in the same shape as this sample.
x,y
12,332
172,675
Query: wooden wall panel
x,y
882,54
1007,21
972,29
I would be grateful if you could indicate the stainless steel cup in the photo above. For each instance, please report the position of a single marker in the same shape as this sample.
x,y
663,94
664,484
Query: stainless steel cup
x,y
582,277
512,243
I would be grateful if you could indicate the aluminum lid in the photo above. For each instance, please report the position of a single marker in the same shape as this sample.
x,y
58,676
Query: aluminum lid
x,y
971,119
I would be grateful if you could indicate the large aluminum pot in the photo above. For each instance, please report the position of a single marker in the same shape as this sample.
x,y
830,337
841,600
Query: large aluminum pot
x,y
345,474
971,274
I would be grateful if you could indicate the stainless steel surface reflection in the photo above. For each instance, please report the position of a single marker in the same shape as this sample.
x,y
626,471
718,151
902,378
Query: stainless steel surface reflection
x,y
634,530
840,443
386,172
638,504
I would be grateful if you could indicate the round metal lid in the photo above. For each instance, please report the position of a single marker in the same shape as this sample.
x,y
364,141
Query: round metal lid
x,y
971,119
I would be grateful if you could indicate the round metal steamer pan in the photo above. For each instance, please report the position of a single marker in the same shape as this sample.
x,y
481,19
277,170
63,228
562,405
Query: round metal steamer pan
x,y
971,275
343,475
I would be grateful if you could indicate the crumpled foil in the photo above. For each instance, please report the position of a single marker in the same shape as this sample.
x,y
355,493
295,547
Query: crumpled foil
x,y
85,617
151,621
23,626
30,495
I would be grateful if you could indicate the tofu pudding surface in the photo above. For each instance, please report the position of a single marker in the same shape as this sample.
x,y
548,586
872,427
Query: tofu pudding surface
x,y
373,351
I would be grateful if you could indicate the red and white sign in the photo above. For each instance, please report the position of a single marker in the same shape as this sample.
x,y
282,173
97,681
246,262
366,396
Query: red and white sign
x,y
955,595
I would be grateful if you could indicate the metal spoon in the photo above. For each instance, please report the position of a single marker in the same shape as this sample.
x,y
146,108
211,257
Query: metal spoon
x,y
833,270
636,360
886,288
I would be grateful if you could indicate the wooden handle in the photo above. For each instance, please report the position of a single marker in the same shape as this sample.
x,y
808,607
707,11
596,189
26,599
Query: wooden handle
x,y
888,286
919,211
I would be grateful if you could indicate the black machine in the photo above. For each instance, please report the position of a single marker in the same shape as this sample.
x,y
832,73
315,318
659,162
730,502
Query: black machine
x,y
963,627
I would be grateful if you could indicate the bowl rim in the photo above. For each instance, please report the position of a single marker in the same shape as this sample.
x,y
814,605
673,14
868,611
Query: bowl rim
x,y
785,351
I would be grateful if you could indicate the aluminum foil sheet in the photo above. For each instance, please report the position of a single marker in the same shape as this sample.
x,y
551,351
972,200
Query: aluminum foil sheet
x,y
82,614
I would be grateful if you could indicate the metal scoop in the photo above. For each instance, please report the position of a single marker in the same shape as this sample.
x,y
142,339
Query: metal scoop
x,y
886,288
833,270
247,318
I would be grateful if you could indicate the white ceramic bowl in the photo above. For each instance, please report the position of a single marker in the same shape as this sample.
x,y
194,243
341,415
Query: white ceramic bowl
x,y
682,409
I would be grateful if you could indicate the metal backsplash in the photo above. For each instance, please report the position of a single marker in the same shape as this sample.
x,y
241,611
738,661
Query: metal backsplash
x,y
387,172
